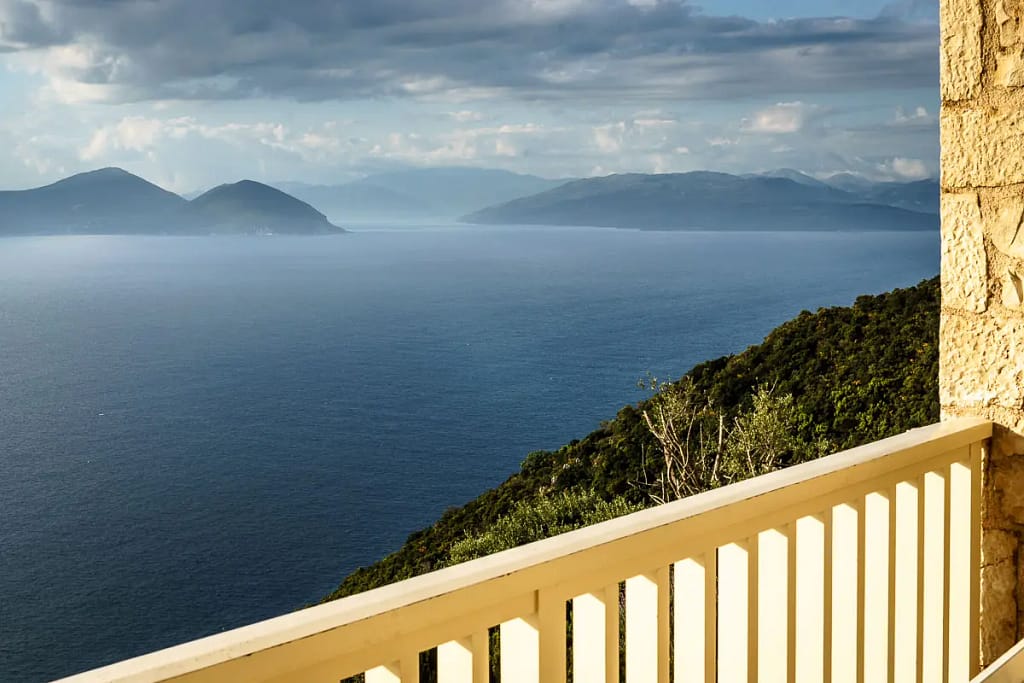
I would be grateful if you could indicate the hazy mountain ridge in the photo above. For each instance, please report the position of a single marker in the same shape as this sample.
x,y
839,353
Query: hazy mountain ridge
x,y
113,201
781,200
251,207
108,200
420,194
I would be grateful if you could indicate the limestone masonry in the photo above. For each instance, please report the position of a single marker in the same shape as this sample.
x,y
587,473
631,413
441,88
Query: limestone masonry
x,y
982,337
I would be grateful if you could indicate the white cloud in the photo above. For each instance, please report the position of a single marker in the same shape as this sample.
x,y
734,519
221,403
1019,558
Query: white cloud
x,y
783,118
135,134
900,168
723,142
654,123
466,115
919,116
504,148
608,138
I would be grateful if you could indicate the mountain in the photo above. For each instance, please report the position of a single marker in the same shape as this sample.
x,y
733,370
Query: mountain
x,y
856,374
703,201
109,200
790,174
920,195
248,207
446,193
850,182
113,201
359,201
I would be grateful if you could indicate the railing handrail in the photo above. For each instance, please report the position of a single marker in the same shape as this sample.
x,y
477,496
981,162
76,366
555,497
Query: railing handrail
x,y
366,623
1007,669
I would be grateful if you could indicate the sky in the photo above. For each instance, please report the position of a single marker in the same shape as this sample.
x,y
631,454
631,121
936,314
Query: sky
x,y
193,93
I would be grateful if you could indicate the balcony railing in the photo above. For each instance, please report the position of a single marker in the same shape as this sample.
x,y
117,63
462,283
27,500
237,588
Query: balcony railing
x,y
862,566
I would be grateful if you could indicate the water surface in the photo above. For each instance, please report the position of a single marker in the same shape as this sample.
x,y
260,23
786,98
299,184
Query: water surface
x,y
197,433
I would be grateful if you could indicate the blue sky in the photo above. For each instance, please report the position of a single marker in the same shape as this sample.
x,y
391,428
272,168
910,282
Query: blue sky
x,y
191,93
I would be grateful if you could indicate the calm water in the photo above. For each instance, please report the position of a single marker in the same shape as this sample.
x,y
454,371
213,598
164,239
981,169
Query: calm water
x,y
200,433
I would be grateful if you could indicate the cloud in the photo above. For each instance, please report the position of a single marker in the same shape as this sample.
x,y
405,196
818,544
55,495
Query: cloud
x,y
902,169
454,50
135,134
918,118
785,117
722,142
466,116
23,25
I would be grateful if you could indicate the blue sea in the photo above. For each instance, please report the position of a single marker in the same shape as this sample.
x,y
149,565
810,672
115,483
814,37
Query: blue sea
x,y
198,433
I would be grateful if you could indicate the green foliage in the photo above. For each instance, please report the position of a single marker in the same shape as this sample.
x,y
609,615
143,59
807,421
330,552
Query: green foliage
x,y
763,436
534,520
852,375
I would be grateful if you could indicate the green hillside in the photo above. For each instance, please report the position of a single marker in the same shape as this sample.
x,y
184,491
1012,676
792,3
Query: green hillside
x,y
855,374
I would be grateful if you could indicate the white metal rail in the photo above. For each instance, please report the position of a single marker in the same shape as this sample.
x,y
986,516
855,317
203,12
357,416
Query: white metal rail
x,y
862,566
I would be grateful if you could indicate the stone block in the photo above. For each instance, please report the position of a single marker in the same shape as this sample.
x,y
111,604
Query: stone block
x,y
997,546
961,59
964,262
998,609
1007,15
1013,290
982,360
1008,487
1010,69
1006,228
982,148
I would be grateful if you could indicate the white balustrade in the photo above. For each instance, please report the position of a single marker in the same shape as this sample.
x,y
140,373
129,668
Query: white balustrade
x,y
862,566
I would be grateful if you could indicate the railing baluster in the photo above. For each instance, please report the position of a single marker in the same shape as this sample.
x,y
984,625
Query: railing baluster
x,y
861,507
384,674
772,605
552,646
753,600
732,613
661,578
642,629
922,516
826,595
933,595
590,614
520,650
711,616
959,554
455,661
876,587
974,656
595,636
481,644
611,633
845,600
810,549
904,591
690,630
791,605
947,549
405,671
890,610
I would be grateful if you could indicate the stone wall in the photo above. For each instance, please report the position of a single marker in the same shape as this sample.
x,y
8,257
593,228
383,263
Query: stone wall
x,y
982,338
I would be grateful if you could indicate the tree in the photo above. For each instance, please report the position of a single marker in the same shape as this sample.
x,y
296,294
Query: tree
x,y
700,449
762,436
690,433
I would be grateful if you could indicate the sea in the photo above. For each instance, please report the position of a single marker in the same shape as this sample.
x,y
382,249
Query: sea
x,y
199,433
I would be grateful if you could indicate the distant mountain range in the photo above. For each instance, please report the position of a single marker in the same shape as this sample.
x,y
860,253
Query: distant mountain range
x,y
778,200
113,201
439,194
